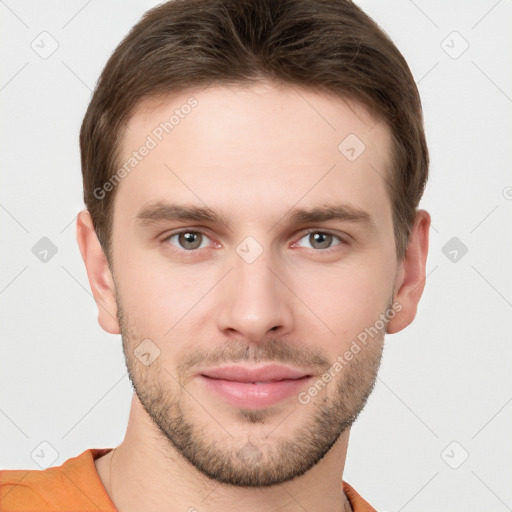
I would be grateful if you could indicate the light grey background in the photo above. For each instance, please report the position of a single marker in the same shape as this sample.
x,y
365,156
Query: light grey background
x,y
445,379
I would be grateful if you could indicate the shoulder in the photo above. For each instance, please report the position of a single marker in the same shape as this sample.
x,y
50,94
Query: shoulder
x,y
72,486
32,490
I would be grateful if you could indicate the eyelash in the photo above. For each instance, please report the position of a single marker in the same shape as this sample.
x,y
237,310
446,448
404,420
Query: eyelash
x,y
192,252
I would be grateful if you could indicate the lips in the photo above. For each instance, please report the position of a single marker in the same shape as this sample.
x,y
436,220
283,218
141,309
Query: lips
x,y
254,388
269,373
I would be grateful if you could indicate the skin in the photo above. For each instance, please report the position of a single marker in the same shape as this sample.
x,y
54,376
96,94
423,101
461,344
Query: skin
x,y
253,154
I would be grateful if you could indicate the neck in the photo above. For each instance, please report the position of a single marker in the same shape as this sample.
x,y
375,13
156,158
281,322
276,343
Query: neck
x,y
148,473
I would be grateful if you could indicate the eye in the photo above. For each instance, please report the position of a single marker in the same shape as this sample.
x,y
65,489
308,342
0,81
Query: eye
x,y
187,240
190,240
320,240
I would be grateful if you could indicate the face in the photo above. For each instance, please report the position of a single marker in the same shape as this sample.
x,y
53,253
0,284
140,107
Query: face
x,y
252,254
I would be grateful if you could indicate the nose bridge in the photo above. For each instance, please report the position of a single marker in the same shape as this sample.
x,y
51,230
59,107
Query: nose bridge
x,y
255,301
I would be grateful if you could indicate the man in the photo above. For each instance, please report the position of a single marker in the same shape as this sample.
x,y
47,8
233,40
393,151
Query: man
x,y
252,172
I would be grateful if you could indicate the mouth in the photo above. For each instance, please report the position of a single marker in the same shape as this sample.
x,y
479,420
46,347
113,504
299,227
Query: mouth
x,y
254,388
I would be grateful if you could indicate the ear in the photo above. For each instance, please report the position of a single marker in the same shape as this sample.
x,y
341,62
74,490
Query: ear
x,y
410,280
98,272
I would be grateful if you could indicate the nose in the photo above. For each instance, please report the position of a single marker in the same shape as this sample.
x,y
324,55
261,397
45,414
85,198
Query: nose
x,y
254,303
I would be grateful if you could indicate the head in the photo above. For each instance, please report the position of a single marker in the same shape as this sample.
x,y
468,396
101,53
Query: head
x,y
252,173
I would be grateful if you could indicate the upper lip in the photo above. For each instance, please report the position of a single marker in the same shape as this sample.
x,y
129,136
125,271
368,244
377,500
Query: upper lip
x,y
247,374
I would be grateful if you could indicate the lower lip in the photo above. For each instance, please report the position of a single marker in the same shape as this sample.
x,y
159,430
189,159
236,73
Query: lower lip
x,y
255,396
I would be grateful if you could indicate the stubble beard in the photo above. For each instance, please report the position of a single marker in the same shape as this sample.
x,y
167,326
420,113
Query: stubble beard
x,y
252,461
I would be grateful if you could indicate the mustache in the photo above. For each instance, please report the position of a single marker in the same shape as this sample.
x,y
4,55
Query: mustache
x,y
270,351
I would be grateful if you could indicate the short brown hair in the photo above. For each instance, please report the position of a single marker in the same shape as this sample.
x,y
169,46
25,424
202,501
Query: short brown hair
x,y
324,45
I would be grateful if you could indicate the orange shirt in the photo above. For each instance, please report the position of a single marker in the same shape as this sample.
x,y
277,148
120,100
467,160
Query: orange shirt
x,y
76,487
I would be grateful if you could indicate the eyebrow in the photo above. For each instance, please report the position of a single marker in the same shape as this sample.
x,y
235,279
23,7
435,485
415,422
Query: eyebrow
x,y
163,211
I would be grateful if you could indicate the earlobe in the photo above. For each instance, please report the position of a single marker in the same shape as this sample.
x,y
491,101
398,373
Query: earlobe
x,y
98,272
410,280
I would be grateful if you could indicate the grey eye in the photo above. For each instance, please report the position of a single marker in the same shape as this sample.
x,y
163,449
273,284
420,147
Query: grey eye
x,y
188,240
320,239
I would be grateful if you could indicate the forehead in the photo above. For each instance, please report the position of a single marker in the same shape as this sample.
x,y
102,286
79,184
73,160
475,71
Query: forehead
x,y
254,148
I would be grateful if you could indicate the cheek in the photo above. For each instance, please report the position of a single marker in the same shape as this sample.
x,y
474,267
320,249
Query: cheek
x,y
161,300
344,301
145,296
